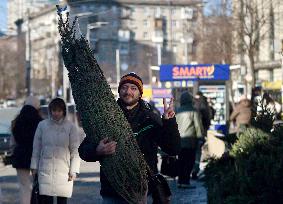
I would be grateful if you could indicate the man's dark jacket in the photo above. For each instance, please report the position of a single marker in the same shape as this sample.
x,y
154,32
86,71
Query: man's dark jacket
x,y
151,132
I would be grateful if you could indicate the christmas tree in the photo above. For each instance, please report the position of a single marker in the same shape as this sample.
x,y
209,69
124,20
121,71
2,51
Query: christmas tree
x,y
101,116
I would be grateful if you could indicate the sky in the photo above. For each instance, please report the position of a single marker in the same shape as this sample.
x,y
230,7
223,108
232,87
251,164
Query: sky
x,y
3,15
209,4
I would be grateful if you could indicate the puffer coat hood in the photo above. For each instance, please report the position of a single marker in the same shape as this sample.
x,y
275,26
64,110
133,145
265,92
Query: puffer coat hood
x,y
186,99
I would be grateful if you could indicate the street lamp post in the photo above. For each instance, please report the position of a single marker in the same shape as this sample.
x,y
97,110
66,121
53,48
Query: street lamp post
x,y
117,67
281,75
153,68
28,61
159,56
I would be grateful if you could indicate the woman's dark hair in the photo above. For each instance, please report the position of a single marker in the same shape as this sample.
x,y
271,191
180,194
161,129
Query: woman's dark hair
x,y
57,103
25,124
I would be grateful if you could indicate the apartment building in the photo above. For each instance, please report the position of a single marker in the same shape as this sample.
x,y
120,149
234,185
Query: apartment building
x,y
268,23
146,33
35,24
46,61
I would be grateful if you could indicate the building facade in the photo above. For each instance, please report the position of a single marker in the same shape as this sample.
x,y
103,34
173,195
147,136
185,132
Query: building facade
x,y
268,35
11,68
19,9
142,34
146,33
37,21
46,77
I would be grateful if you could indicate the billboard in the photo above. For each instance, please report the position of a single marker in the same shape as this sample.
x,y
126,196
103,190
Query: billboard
x,y
171,72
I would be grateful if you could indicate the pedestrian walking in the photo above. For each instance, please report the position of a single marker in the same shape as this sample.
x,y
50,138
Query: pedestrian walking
x,y
150,131
206,113
23,128
242,114
55,157
191,132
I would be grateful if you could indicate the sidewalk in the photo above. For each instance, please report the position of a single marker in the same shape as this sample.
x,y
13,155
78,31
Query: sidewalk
x,y
88,183
87,187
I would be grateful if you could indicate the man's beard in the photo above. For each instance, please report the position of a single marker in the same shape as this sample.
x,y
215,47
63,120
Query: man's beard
x,y
132,102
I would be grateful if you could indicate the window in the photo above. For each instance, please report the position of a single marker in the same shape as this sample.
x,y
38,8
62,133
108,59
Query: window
x,y
103,8
125,12
157,12
124,48
174,24
175,48
124,35
146,11
84,8
187,13
158,33
158,23
145,35
146,23
173,11
175,37
133,9
114,23
114,8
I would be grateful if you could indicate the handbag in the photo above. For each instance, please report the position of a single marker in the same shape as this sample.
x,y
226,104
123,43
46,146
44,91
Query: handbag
x,y
160,189
35,191
169,166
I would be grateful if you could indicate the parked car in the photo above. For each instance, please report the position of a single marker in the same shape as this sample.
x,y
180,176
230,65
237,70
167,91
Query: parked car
x,y
11,102
6,117
4,143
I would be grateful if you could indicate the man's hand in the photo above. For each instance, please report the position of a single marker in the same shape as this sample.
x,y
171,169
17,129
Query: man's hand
x,y
168,110
106,147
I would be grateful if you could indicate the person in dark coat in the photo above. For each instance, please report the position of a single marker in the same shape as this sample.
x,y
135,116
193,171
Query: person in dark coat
x,y
202,106
23,129
206,114
150,130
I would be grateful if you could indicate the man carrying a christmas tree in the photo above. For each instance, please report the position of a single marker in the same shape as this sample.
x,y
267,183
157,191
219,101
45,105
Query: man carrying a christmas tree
x,y
149,129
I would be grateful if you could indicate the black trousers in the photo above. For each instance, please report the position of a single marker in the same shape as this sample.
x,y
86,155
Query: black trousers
x,y
186,158
44,199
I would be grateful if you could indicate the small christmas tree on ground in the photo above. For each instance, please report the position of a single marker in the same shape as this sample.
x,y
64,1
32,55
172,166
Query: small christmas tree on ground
x,y
251,172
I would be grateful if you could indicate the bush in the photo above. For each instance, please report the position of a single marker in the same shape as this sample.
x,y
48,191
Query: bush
x,y
251,172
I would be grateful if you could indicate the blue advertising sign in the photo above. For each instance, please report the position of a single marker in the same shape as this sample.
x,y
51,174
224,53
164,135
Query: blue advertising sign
x,y
169,72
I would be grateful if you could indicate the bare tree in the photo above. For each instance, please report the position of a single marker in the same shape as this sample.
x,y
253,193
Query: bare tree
x,y
9,72
217,35
253,19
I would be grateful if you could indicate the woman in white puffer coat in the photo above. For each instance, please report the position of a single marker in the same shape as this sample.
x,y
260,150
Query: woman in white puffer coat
x,y
55,154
